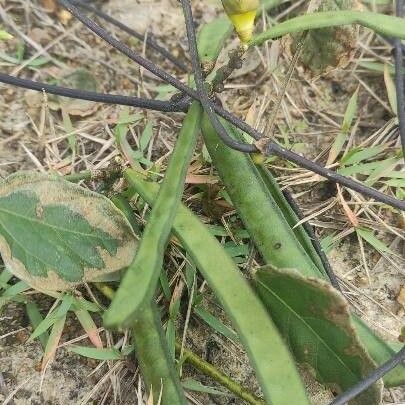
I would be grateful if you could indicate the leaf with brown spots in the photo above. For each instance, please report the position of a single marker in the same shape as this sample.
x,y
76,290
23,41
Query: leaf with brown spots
x,y
55,234
327,48
315,322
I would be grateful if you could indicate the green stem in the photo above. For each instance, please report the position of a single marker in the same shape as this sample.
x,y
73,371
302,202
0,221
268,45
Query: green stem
x,y
209,370
383,24
76,177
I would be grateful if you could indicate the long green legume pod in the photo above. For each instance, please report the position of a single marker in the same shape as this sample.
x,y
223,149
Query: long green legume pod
x,y
255,204
267,352
139,283
151,348
259,212
154,360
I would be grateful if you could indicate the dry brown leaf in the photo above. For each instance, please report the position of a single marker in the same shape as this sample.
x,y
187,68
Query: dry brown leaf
x,y
326,49
348,211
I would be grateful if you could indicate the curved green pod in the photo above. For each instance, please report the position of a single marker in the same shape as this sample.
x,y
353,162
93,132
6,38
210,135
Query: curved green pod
x,y
139,283
258,210
151,348
267,352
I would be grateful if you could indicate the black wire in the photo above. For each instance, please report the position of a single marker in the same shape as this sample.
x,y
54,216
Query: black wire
x,y
271,147
199,81
149,40
378,373
165,106
399,79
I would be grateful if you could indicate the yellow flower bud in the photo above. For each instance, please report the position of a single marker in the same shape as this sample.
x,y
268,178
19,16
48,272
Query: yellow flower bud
x,y
242,13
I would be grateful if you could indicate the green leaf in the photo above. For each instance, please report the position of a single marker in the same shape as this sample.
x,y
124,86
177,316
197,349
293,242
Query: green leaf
x,y
315,322
57,314
382,169
368,236
367,168
145,269
5,277
379,67
381,352
56,234
95,353
53,341
146,136
35,317
274,367
357,155
215,323
211,38
15,289
340,139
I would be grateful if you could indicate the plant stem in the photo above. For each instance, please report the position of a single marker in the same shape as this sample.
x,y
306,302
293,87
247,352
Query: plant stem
x,y
383,24
209,370
76,177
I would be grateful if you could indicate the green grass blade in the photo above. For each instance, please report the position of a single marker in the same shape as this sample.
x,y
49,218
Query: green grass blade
x,y
53,341
215,323
16,289
53,317
274,366
351,111
139,283
35,317
89,326
383,24
96,353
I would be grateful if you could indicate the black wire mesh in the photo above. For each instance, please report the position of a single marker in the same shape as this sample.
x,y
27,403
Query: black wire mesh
x,y
212,108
